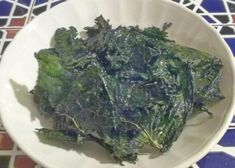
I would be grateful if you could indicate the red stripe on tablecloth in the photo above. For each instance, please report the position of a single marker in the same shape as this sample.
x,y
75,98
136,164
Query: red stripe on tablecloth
x,y
11,33
23,162
5,142
17,22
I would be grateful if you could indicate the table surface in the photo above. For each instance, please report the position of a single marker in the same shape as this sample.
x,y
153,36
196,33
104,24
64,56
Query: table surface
x,y
220,14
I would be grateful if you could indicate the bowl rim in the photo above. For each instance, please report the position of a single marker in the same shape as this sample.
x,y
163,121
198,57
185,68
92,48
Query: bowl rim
x,y
187,162
230,112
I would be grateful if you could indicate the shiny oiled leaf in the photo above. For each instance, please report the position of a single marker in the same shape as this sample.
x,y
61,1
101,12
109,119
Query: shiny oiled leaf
x,y
123,88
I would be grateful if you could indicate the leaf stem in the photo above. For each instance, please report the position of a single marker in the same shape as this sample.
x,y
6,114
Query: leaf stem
x,y
150,139
74,122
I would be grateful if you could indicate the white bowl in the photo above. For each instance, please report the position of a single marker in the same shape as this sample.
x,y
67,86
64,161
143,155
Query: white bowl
x,y
18,74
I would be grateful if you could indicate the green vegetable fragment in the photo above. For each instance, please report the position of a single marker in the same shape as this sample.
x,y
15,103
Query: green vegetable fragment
x,y
123,88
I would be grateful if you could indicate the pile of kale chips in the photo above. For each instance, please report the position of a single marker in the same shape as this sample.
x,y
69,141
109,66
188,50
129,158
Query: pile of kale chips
x,y
122,88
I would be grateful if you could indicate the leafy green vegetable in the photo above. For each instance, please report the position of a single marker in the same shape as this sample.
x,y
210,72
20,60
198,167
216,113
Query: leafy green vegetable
x,y
123,88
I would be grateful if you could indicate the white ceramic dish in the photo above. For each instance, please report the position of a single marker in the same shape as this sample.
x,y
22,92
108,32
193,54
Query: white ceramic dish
x,y
18,73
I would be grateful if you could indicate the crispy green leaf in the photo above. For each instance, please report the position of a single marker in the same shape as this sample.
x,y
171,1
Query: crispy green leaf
x,y
123,88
